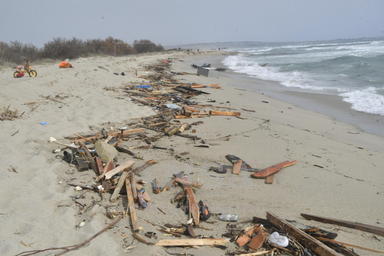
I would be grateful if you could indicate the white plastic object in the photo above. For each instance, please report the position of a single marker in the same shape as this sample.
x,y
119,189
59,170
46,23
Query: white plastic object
x,y
229,217
279,240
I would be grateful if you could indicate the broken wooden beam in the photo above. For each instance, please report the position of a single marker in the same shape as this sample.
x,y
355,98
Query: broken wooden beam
x,y
305,239
193,242
272,169
349,224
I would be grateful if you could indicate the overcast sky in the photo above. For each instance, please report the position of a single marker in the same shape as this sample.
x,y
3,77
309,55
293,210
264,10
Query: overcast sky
x,y
173,22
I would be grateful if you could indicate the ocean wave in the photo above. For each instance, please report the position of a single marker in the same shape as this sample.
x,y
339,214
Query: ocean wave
x,y
366,100
242,64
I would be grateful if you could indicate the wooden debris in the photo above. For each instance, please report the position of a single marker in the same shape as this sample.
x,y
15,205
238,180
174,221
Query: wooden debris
x,y
193,242
131,206
124,133
350,224
144,166
272,170
119,186
305,239
246,235
224,113
237,166
192,205
124,166
258,240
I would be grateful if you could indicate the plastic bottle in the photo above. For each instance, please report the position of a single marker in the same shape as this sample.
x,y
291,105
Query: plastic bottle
x,y
229,217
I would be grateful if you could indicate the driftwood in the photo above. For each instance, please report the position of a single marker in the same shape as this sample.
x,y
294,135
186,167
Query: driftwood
x,y
350,224
305,239
72,247
224,113
193,242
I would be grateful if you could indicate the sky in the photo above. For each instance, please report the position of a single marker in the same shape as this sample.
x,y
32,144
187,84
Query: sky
x,y
174,22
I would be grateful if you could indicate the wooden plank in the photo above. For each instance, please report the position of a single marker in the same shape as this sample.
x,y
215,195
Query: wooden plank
x,y
272,169
193,242
194,211
305,239
350,224
237,167
131,206
124,166
119,186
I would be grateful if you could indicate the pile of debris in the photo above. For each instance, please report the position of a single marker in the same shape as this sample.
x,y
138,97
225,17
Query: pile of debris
x,y
112,178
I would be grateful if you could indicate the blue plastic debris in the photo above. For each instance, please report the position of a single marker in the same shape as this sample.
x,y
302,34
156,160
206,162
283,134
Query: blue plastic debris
x,y
143,86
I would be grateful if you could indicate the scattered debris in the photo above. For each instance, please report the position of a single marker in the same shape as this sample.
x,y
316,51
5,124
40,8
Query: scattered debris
x,y
7,114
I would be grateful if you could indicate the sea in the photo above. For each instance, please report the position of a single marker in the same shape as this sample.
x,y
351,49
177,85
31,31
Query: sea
x,y
351,69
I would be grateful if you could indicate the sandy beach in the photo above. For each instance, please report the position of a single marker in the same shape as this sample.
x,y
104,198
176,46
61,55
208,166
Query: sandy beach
x,y
339,173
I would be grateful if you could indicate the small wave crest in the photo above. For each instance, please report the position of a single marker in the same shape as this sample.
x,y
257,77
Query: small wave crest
x,y
244,65
365,100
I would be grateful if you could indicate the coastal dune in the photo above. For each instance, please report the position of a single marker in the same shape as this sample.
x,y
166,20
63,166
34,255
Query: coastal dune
x,y
339,172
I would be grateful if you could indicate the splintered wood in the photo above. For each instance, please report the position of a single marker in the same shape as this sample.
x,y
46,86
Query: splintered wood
x,y
192,205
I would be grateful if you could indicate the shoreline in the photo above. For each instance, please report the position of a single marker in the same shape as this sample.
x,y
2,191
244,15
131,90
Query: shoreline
x,y
317,101
41,214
